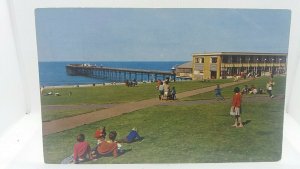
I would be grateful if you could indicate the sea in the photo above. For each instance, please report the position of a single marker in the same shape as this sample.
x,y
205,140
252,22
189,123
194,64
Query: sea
x,y
54,73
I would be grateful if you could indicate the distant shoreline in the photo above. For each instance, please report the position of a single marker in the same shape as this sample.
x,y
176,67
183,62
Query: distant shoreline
x,y
84,85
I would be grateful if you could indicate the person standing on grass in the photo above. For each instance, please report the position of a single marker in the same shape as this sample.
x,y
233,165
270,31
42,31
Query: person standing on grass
x,y
173,93
236,108
161,90
218,93
269,86
166,89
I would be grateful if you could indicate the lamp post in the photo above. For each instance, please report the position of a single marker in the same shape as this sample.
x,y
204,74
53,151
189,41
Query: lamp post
x,y
248,65
272,65
256,65
240,65
173,69
265,66
279,69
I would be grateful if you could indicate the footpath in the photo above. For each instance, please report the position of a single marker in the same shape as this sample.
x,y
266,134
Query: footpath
x,y
119,109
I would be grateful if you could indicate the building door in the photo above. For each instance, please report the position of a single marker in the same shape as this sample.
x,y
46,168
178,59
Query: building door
x,y
213,74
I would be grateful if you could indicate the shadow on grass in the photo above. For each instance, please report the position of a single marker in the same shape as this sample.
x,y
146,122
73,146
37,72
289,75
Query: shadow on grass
x,y
137,140
110,155
133,141
122,152
246,122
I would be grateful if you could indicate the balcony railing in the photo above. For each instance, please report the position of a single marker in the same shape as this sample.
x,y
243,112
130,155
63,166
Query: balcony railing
x,y
253,64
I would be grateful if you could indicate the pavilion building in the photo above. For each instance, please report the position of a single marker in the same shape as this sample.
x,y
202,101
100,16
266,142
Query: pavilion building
x,y
184,71
227,64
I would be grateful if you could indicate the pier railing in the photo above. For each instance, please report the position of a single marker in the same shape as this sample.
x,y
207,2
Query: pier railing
x,y
117,74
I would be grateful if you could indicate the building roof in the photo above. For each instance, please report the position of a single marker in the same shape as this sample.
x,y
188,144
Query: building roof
x,y
187,65
240,53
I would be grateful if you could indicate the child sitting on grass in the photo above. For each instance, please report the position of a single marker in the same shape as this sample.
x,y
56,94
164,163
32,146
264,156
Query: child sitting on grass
x,y
100,135
82,150
108,148
131,137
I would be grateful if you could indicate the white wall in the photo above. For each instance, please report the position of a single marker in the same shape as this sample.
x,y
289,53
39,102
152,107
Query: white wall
x,y
12,100
20,134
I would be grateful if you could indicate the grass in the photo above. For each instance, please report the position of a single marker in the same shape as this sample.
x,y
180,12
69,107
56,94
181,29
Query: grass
x,y
186,134
107,95
49,115
279,88
189,133
116,94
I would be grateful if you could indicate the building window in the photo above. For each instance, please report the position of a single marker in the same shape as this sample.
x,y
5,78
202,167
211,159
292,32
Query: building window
x,y
201,60
214,60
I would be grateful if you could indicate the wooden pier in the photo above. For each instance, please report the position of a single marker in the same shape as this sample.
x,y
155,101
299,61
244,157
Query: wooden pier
x,y
117,74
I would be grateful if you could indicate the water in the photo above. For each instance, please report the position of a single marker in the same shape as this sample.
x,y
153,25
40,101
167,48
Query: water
x,y
54,73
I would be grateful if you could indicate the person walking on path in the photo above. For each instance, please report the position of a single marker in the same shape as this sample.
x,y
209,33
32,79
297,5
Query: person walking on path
x,y
161,90
173,93
218,93
166,89
236,108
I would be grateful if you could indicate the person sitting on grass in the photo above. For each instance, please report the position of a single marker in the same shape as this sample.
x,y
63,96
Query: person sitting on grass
x,y
100,135
131,137
218,93
108,148
236,108
245,90
82,150
253,90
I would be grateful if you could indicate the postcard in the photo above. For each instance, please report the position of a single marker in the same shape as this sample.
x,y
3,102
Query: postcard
x,y
162,85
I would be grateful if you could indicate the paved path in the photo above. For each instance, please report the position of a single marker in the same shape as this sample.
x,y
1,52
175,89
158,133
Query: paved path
x,y
79,120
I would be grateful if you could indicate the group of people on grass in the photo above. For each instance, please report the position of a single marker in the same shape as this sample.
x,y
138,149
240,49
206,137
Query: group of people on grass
x,y
131,83
83,152
252,90
165,91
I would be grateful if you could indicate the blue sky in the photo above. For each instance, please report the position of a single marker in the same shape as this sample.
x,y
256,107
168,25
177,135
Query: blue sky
x,y
145,34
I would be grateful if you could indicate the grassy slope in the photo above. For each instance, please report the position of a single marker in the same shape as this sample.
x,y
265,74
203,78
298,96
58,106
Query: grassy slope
x,y
107,94
49,115
279,88
198,133
116,94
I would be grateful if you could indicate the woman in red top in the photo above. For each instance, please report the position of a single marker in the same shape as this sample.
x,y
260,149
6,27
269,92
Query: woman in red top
x,y
236,107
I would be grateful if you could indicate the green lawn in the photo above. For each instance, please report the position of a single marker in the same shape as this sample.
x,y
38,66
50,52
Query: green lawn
x,y
189,133
186,134
49,115
116,94
107,94
279,88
